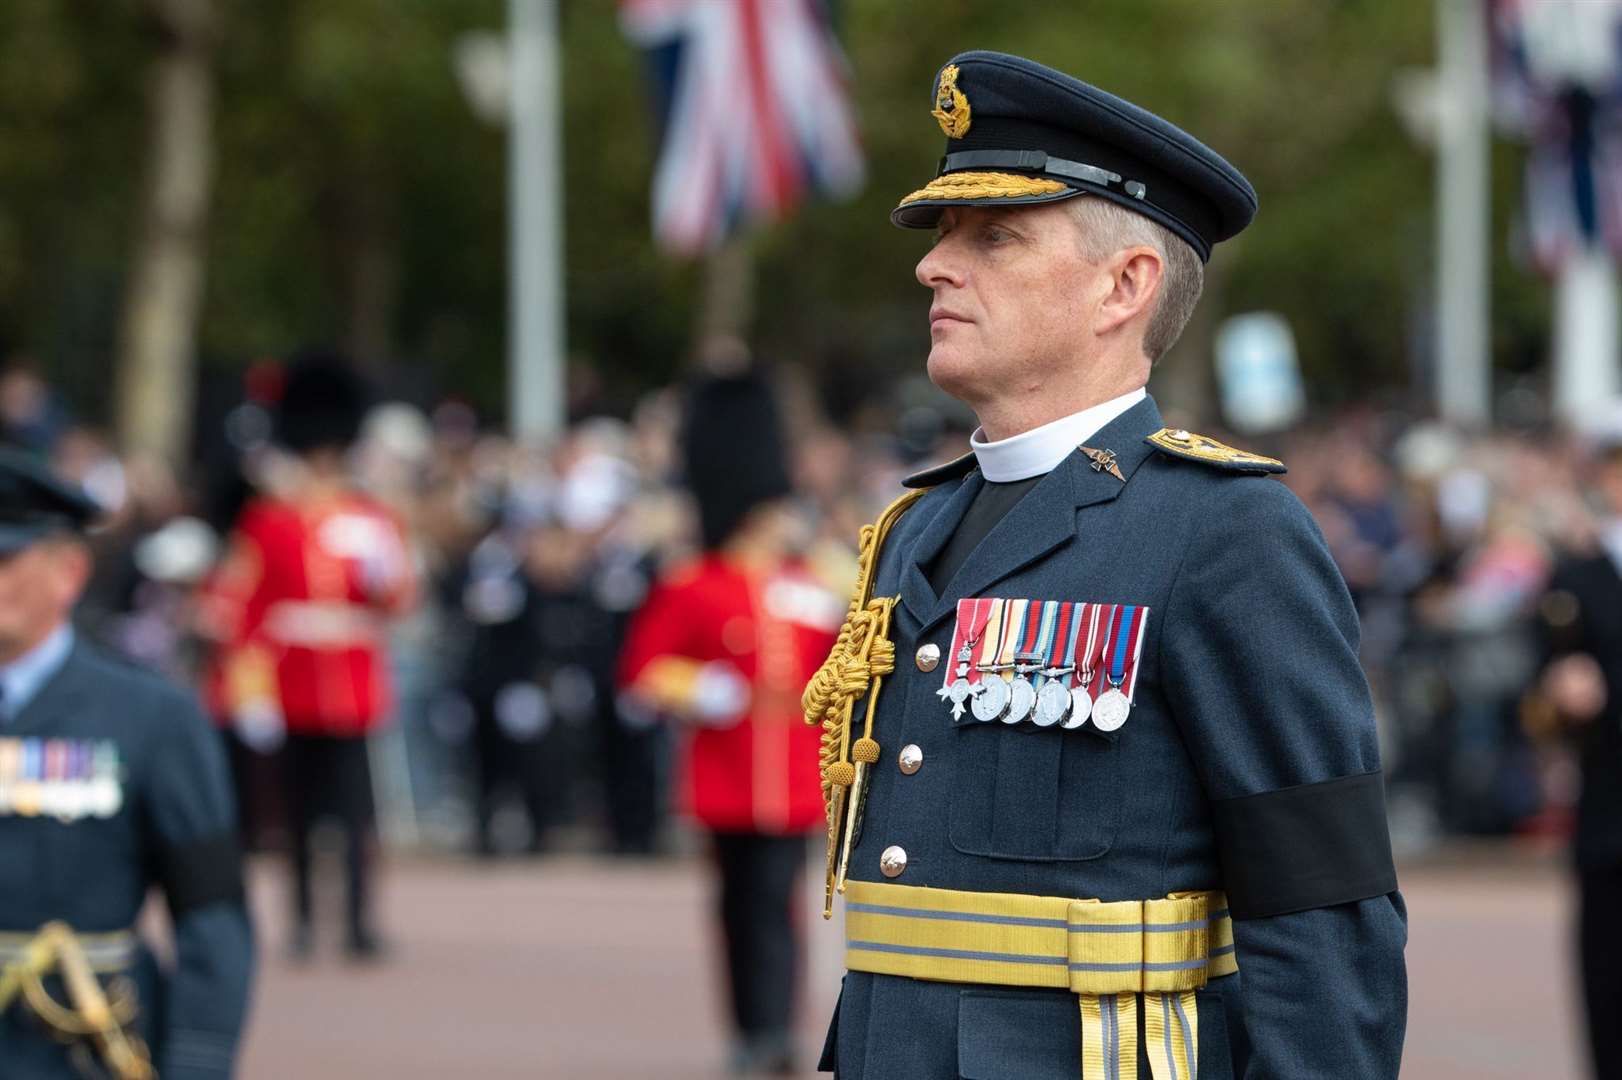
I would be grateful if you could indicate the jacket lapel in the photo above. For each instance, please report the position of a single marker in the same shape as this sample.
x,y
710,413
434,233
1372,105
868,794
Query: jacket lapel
x,y
1045,519
917,595
60,695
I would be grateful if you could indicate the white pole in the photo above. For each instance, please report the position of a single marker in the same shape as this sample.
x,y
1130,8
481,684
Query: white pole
x,y
1463,263
535,406
1585,338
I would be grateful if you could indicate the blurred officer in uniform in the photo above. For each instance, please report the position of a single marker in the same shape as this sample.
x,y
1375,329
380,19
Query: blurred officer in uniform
x,y
1582,623
110,781
726,642
1104,792
313,573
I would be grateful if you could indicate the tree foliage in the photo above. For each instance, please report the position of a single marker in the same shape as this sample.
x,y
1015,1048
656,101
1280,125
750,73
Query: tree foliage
x,y
360,200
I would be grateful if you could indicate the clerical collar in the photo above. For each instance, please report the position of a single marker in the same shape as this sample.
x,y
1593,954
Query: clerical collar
x,y
1040,450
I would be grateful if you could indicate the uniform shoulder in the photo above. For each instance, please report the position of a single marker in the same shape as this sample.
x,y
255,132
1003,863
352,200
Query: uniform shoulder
x,y
1190,446
130,682
1227,506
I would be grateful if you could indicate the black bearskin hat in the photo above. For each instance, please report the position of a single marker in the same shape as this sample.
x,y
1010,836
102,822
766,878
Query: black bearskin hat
x,y
323,403
734,451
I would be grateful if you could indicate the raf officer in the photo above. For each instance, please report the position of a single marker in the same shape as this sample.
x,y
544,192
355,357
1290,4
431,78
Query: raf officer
x,y
110,781
1100,764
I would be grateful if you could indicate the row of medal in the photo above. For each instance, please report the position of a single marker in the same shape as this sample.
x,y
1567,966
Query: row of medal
x,y
1055,663
67,779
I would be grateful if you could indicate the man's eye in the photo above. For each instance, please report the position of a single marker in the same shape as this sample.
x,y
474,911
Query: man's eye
x,y
993,235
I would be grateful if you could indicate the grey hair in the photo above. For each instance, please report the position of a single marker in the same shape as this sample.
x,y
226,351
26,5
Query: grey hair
x,y
1106,228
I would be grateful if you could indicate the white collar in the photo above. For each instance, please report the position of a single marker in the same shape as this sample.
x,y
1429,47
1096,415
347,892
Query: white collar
x,y
23,678
1040,450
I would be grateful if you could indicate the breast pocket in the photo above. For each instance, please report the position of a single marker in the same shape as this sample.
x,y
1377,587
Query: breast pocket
x,y
1030,788
1035,794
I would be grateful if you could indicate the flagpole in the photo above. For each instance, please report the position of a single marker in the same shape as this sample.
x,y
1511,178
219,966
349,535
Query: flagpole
x,y
1463,262
535,316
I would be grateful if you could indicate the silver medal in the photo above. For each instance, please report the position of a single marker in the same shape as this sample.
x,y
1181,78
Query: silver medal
x,y
960,689
1021,700
990,699
1111,709
1081,707
957,693
1053,702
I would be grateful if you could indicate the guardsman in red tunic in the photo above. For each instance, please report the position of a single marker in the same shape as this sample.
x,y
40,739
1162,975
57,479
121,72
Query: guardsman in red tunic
x,y
726,643
301,606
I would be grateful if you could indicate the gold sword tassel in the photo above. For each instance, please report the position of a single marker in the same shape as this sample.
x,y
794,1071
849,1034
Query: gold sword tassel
x,y
92,1016
861,656
865,754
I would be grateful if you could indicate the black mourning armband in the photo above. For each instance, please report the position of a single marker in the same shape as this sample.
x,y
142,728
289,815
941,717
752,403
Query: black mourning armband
x,y
1305,847
202,872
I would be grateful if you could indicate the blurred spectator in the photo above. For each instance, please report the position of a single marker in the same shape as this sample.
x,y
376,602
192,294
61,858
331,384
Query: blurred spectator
x,y
545,611
1581,694
30,415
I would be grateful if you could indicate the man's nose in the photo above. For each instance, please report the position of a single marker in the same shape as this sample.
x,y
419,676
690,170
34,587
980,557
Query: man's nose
x,y
938,267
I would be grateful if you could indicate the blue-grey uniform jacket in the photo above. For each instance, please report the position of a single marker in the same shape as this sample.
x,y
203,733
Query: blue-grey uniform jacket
x,y
169,820
1248,763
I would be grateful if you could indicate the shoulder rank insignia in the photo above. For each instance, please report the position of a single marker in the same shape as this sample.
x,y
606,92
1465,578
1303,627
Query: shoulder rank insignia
x,y
1187,444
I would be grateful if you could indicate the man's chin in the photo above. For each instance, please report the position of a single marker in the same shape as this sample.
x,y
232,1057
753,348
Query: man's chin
x,y
952,372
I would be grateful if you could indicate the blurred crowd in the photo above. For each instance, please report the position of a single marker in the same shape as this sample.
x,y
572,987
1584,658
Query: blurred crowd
x,y
508,735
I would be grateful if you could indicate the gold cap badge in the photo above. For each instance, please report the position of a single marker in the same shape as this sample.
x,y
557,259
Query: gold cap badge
x,y
951,107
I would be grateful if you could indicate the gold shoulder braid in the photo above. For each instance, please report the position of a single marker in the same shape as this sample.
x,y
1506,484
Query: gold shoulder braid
x,y
861,657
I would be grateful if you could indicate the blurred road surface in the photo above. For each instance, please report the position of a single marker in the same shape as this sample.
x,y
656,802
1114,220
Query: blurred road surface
x,y
579,968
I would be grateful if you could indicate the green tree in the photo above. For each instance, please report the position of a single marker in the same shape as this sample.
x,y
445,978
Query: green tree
x,y
358,199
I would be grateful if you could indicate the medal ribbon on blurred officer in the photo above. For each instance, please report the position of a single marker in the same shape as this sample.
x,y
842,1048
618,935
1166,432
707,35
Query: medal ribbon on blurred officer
x,y
110,781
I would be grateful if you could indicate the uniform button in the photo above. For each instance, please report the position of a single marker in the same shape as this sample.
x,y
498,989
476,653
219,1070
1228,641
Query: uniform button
x,y
928,656
893,861
1179,435
912,758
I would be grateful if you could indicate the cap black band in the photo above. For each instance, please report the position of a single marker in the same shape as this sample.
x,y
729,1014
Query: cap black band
x,y
1039,161
1305,847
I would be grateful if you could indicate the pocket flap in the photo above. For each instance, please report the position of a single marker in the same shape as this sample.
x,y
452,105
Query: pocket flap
x,y
1018,1035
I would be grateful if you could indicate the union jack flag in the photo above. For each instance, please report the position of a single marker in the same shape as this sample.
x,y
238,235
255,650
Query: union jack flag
x,y
754,113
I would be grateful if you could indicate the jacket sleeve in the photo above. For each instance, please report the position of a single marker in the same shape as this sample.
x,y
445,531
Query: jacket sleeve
x,y
1259,652
658,665
196,861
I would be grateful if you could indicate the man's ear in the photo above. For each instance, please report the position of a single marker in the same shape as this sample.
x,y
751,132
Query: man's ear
x,y
1136,274
74,565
